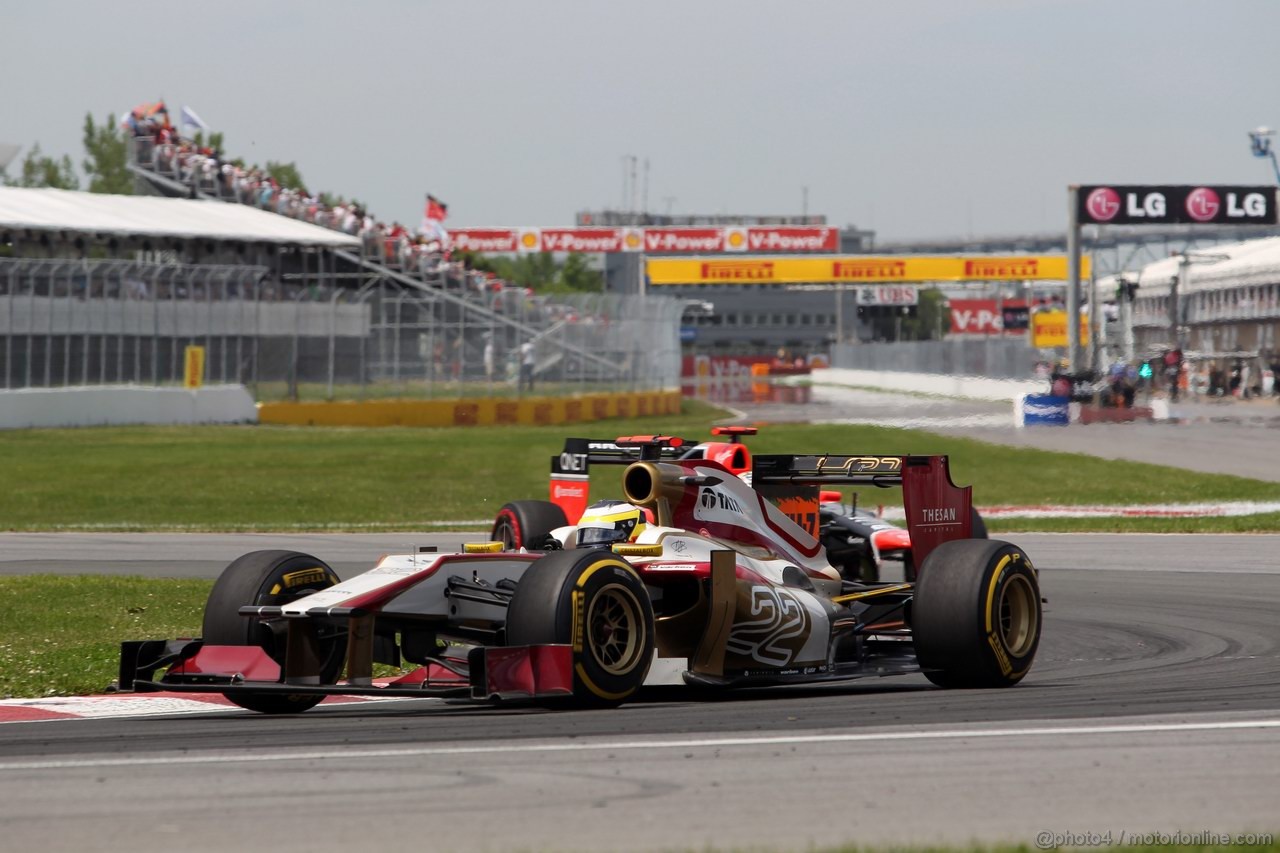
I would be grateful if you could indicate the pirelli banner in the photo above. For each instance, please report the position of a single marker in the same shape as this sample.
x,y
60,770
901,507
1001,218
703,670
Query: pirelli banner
x,y
858,269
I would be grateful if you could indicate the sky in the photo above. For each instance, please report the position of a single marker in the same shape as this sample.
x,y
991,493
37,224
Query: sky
x,y
916,119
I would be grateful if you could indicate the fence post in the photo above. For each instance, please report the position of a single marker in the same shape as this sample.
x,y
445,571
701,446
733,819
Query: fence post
x,y
333,335
8,338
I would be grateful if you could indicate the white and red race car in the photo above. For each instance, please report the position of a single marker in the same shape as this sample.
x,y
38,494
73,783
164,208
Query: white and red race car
x,y
719,580
858,542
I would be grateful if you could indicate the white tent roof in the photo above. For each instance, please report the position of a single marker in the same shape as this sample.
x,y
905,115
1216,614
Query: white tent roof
x,y
151,216
1222,267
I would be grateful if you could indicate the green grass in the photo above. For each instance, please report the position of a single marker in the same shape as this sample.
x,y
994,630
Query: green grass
x,y
61,635
304,478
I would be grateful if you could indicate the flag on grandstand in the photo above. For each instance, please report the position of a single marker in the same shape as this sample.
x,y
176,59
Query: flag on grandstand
x,y
433,218
436,209
190,119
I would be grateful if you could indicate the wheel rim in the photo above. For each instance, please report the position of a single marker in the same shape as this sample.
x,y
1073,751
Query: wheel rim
x,y
1018,615
615,631
504,531
331,656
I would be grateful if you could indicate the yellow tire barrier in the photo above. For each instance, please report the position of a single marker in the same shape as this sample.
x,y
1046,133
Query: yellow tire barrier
x,y
481,411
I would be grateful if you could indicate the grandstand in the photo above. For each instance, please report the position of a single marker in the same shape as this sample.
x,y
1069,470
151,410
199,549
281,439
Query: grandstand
x,y
97,288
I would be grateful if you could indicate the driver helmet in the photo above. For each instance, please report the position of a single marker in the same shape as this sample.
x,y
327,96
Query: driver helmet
x,y
607,522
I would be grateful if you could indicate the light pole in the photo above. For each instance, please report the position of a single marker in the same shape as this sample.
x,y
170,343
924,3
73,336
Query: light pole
x,y
1260,145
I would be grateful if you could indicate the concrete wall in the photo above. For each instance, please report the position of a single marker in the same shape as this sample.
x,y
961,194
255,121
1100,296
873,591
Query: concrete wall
x,y
117,405
980,356
972,387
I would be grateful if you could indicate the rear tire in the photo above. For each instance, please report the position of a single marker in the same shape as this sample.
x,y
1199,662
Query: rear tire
x,y
976,614
269,578
610,628
977,527
522,522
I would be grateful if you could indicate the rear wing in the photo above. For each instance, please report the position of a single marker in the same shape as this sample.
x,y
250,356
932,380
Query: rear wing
x,y
570,469
937,509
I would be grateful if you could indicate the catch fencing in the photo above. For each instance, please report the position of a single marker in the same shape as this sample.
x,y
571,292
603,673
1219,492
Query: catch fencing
x,y
317,336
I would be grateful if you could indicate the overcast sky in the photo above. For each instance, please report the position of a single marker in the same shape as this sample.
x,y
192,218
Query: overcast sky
x,y
916,119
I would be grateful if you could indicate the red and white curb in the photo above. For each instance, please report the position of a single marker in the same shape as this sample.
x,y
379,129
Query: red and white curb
x,y
135,705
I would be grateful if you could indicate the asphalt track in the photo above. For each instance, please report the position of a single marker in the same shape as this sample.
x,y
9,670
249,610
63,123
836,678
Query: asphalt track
x,y
1154,706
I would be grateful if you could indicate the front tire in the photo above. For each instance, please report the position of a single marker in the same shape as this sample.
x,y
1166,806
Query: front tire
x,y
976,614
522,524
596,603
269,578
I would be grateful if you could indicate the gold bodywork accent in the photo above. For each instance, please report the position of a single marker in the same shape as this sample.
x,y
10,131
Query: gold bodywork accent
x,y
709,658
624,549
482,547
884,590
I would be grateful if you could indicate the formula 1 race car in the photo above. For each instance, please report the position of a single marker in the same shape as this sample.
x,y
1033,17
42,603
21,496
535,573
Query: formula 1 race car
x,y
857,541
717,579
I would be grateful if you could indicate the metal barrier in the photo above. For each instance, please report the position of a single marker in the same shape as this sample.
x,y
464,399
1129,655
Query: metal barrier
x,y
321,335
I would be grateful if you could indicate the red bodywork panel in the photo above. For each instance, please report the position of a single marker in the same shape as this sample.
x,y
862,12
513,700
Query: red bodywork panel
x,y
249,661
937,509
569,492
522,672
891,540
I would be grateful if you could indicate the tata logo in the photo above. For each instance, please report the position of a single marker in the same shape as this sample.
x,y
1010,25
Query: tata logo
x,y
1103,204
711,499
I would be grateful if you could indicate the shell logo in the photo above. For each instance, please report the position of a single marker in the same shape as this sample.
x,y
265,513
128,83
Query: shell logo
x,y
529,240
632,240
735,239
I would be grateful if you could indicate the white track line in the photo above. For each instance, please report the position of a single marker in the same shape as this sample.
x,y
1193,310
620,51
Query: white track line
x,y
611,746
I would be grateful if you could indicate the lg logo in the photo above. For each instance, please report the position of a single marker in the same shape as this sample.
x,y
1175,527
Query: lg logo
x,y
1138,205
1203,204
1103,204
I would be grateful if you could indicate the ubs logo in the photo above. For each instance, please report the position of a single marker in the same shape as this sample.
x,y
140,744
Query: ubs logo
x,y
1203,204
1103,204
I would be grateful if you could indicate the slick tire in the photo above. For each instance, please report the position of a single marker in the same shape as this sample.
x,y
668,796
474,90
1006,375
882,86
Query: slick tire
x,y
976,614
596,603
522,522
269,578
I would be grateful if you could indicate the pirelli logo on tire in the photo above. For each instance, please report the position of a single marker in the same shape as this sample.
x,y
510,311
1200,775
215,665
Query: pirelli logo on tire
x,y
302,577
1002,657
579,605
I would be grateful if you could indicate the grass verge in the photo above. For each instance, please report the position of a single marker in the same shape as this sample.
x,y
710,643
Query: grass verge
x,y
256,478
61,635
